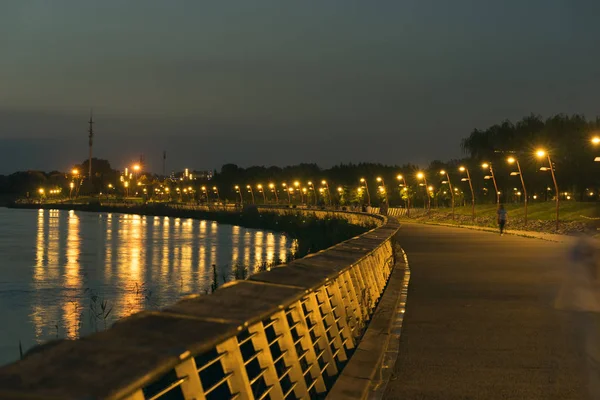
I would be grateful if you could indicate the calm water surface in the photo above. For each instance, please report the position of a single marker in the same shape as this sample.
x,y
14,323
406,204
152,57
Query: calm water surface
x,y
58,267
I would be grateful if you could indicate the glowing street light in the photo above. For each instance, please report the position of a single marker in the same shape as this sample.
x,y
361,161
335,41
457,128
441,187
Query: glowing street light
x,y
216,190
595,140
468,178
287,189
400,177
238,191
310,184
249,187
382,182
442,172
544,154
274,190
513,160
364,181
491,176
421,176
75,171
260,190
297,187
324,183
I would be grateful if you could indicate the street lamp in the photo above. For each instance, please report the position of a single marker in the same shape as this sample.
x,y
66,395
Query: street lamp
x,y
422,176
596,141
287,189
442,172
324,182
400,177
297,187
382,182
363,180
249,187
468,178
237,189
274,189
204,191
260,190
491,176
71,186
310,184
216,190
544,154
513,160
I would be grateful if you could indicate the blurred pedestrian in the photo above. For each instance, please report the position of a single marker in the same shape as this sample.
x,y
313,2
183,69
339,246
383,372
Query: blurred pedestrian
x,y
579,296
502,214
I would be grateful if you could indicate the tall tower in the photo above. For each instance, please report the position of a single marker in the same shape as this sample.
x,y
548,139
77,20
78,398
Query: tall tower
x,y
164,162
91,136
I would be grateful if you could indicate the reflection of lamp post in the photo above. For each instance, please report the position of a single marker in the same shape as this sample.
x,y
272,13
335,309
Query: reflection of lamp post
x,y
542,154
442,172
237,189
274,189
260,190
363,180
468,178
249,187
400,177
422,176
493,178
324,182
512,160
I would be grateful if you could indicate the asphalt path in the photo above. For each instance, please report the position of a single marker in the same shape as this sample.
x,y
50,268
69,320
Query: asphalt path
x,y
480,320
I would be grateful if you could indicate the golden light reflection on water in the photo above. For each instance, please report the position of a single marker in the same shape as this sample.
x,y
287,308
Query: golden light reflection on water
x,y
168,257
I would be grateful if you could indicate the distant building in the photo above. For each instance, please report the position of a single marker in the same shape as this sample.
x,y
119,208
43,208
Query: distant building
x,y
186,174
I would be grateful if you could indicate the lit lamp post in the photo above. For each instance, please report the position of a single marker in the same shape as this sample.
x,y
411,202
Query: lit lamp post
x,y
421,176
324,183
238,191
442,172
513,160
297,187
71,186
340,191
260,190
216,190
126,184
468,178
205,192
287,189
274,190
382,182
491,176
400,177
311,187
364,181
544,154
249,187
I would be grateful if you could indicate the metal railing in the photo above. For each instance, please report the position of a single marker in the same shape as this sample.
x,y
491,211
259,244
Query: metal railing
x,y
285,333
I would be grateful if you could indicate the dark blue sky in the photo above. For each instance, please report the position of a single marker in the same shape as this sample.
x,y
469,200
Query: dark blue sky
x,y
281,82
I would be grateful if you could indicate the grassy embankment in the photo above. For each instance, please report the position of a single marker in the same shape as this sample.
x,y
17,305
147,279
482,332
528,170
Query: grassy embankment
x,y
541,216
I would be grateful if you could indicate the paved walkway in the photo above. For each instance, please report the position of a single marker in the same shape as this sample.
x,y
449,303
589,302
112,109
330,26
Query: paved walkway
x,y
480,322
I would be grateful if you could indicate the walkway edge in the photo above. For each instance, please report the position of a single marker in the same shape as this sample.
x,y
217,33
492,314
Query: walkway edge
x,y
551,237
370,368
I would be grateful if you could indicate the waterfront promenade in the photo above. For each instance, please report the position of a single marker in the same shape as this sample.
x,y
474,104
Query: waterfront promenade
x,y
480,321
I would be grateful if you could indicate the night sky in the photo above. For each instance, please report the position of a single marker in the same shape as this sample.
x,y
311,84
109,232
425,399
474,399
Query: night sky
x,y
283,82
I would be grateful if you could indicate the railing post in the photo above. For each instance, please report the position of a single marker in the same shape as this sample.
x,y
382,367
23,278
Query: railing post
x,y
233,363
191,387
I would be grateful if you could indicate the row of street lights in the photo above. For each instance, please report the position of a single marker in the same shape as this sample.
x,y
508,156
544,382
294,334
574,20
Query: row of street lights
x,y
289,189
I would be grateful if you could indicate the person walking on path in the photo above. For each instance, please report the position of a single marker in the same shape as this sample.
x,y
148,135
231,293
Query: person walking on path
x,y
501,218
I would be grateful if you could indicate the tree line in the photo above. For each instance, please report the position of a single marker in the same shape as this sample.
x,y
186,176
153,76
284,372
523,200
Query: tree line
x,y
565,137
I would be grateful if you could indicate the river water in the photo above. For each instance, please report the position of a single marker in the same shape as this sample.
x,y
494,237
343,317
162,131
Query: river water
x,y
64,274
